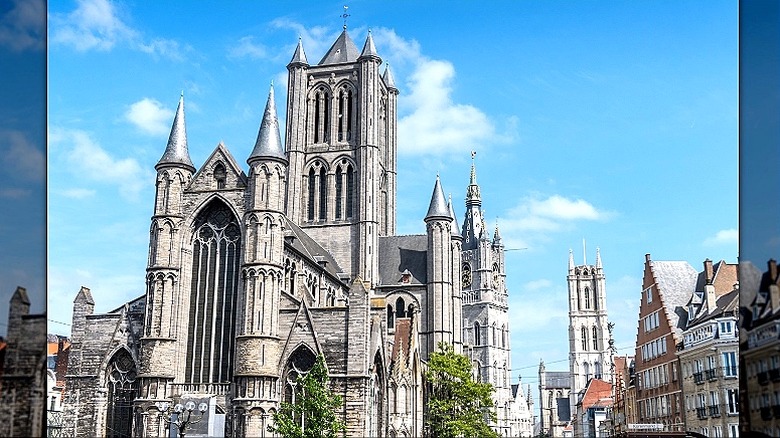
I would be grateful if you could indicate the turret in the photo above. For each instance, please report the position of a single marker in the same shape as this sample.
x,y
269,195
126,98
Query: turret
x,y
19,307
457,283
296,129
438,222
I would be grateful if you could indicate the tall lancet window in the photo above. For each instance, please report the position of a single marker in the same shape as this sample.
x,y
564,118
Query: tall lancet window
x,y
312,193
584,333
122,389
345,114
595,300
323,194
587,298
595,339
350,191
339,193
216,245
321,115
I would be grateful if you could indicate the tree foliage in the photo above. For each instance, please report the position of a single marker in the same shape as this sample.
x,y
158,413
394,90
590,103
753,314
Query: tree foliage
x,y
458,405
313,415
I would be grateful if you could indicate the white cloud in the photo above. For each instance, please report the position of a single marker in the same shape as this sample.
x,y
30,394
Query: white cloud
x,y
88,161
98,25
246,47
22,26
22,160
723,237
77,193
150,116
94,24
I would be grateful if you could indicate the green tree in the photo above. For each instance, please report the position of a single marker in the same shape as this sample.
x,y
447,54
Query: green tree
x,y
458,406
313,415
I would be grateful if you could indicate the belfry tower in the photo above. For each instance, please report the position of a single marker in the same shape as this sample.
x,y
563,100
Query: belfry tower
x,y
341,143
589,354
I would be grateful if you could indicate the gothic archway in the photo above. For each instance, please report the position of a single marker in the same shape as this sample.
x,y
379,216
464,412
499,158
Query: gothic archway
x,y
216,255
122,390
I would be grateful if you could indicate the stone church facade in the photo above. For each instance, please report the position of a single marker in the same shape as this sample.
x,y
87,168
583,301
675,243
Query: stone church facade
x,y
253,272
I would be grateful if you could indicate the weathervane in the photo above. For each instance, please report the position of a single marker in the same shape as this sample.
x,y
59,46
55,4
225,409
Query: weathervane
x,y
473,154
344,16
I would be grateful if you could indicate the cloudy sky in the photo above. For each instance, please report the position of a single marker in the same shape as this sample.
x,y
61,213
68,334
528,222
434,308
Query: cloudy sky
x,y
22,154
614,122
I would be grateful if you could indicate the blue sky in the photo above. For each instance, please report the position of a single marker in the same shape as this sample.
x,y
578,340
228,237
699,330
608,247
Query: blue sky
x,y
22,154
613,122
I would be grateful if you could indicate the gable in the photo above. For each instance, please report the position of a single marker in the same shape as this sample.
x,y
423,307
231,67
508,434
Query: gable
x,y
219,166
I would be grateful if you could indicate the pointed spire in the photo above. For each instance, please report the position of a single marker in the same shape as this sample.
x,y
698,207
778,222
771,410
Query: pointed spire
x,y
20,296
438,207
176,152
455,226
389,79
598,258
343,50
472,193
299,57
269,142
571,259
369,50
496,236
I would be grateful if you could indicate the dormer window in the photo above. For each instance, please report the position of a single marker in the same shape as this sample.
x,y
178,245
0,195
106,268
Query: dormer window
x,y
406,276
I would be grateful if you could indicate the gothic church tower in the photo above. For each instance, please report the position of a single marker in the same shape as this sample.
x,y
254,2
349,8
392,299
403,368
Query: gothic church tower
x,y
341,141
589,354
484,296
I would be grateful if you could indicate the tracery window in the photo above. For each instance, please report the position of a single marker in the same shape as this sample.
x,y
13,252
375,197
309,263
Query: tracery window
x,y
321,115
345,113
122,390
595,339
477,337
345,190
587,298
300,363
584,334
216,257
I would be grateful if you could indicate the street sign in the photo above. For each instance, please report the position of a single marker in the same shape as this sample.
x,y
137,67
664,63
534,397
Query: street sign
x,y
645,426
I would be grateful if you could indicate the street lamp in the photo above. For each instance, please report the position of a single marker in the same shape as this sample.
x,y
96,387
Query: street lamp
x,y
180,422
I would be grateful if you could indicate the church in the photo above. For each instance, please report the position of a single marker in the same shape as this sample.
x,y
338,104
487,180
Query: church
x,y
253,271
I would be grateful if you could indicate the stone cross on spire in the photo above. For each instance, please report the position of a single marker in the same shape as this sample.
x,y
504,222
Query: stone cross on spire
x,y
344,16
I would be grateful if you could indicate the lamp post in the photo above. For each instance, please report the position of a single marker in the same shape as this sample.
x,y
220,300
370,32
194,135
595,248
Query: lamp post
x,y
180,422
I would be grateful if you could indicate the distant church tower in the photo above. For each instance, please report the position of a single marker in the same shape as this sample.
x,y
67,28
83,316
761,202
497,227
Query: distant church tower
x,y
485,319
589,354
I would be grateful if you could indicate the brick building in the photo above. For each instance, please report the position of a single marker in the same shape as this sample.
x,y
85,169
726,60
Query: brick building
x,y
254,271
666,288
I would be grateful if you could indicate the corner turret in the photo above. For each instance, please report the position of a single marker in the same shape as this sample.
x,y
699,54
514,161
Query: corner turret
x,y
176,152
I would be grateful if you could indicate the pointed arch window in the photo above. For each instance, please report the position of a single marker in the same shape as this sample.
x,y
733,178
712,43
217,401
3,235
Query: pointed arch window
x,y
595,300
300,363
345,118
339,192
595,339
122,390
390,317
220,175
216,246
584,333
477,335
312,193
323,182
400,308
587,297
321,115
350,191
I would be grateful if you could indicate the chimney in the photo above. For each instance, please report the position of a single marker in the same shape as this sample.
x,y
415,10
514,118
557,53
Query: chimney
x,y
708,277
772,268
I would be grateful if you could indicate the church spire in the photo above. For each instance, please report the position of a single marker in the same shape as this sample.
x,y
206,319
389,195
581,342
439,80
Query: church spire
x,y
455,226
598,258
388,78
369,50
176,152
571,259
472,192
438,207
269,142
299,57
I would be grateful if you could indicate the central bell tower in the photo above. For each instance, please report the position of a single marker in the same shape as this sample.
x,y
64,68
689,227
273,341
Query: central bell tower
x,y
342,143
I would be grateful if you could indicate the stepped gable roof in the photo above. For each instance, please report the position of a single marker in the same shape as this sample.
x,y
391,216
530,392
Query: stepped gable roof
x,y
676,281
597,394
398,254
557,379
297,238
342,51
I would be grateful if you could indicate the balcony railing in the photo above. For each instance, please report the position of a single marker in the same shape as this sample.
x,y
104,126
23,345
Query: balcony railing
x,y
698,377
709,374
714,411
763,378
201,388
701,413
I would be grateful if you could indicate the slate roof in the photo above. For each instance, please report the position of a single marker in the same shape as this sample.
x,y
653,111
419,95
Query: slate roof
x,y
724,304
403,253
176,151
309,248
675,280
269,142
557,379
343,50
